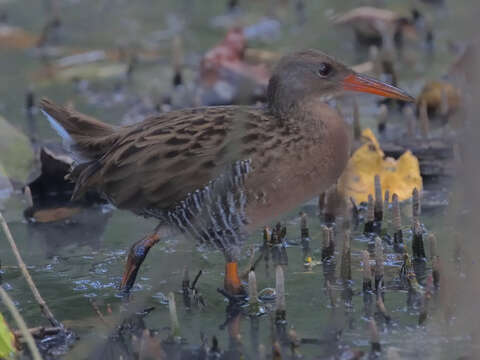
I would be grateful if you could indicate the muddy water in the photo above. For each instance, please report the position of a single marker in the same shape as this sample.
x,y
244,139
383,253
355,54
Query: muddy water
x,y
73,263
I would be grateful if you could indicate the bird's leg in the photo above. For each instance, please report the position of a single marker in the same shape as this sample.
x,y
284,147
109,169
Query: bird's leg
x,y
232,283
137,253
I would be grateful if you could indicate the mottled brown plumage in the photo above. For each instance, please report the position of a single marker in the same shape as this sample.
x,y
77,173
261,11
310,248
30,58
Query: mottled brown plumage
x,y
217,172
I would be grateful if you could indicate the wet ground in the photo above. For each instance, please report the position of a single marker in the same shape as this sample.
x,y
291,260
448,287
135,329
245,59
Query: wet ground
x,y
77,261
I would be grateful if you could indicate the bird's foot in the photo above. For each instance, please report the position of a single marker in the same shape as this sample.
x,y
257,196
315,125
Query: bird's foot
x,y
136,255
232,287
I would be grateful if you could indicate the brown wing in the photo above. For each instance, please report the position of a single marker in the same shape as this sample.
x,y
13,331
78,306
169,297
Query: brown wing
x,y
156,163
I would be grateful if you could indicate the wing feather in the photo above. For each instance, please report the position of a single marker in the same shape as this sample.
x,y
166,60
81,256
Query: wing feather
x,y
158,162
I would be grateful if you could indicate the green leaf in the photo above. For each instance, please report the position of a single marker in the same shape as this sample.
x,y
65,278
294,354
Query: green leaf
x,y
16,153
7,341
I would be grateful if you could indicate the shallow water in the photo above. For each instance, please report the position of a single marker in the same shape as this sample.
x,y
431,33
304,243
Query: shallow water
x,y
72,263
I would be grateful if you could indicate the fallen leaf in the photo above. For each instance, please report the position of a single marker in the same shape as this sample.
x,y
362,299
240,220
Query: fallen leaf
x,y
435,93
57,214
93,70
7,341
16,38
230,54
399,176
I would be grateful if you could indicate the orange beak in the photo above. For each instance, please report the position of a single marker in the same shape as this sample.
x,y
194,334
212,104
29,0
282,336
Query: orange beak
x,y
366,84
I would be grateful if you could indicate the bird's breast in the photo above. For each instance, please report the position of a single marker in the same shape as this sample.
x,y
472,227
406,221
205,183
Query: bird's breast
x,y
298,169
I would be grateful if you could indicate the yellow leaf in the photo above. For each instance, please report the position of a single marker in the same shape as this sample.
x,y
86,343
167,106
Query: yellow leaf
x,y
369,137
434,94
7,341
16,38
397,176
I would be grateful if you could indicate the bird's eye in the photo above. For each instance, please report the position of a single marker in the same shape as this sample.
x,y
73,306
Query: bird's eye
x,y
324,69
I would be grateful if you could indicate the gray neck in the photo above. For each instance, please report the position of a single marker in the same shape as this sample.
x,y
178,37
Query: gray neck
x,y
282,101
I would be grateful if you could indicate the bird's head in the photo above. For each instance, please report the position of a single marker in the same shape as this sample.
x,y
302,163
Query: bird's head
x,y
313,74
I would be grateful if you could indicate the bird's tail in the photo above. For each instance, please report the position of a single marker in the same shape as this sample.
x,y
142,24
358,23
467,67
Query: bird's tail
x,y
84,135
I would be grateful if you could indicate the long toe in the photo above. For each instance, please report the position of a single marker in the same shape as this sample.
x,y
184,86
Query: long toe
x,y
136,256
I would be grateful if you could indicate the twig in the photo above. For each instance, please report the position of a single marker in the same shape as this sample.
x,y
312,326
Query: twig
x,y
368,227
379,265
378,207
382,309
386,200
330,294
374,337
260,257
20,323
397,222
98,312
346,267
253,304
194,283
367,272
186,288
424,120
294,343
172,309
416,204
249,266
280,304
328,246
418,248
43,305
354,211
39,331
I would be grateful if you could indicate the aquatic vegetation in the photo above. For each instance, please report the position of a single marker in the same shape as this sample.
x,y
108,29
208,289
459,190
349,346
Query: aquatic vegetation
x,y
16,153
357,274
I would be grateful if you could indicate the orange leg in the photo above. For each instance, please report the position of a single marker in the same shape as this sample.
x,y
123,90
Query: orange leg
x,y
136,255
232,284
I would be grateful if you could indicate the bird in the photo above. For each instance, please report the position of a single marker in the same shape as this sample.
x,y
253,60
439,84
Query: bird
x,y
375,26
217,173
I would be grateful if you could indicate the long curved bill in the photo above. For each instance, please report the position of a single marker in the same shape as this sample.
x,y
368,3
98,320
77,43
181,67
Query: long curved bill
x,y
366,84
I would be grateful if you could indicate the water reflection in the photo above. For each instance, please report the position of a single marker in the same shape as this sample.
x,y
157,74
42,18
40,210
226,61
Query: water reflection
x,y
84,228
